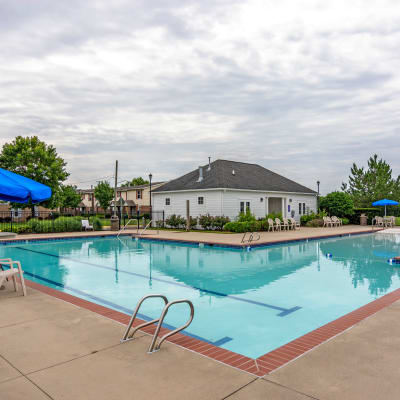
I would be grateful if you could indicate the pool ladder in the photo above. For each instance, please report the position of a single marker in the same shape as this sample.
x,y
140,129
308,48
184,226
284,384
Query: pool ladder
x,y
154,346
254,236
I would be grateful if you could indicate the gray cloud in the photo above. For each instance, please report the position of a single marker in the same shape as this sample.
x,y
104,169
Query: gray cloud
x,y
162,85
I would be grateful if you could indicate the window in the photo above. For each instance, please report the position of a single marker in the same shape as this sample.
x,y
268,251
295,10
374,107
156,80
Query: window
x,y
90,197
138,194
261,199
299,208
244,206
304,208
200,200
167,201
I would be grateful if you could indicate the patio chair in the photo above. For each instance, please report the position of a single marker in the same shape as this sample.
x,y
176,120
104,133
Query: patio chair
x,y
12,273
285,224
278,224
378,221
336,221
327,222
294,224
271,225
86,225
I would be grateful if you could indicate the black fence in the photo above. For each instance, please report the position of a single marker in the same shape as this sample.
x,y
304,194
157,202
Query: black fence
x,y
28,221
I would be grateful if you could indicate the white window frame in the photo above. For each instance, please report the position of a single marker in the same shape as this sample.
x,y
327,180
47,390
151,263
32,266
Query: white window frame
x,y
168,201
202,200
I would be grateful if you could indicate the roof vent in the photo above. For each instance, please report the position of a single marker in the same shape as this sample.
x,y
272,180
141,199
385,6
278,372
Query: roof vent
x,y
200,174
209,164
233,172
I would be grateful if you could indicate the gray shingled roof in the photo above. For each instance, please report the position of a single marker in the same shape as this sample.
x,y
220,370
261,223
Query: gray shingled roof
x,y
247,176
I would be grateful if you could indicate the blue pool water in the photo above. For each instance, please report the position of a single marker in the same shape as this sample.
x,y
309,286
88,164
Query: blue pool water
x,y
249,302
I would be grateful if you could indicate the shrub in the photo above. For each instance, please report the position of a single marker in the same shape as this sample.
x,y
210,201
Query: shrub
x,y
97,225
274,215
175,221
398,221
206,221
22,228
246,217
345,221
220,222
305,219
337,203
315,223
192,223
241,227
370,212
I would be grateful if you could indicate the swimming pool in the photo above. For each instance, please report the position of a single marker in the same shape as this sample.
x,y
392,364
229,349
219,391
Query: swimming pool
x,y
249,302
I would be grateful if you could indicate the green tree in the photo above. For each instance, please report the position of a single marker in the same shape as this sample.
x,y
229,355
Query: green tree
x,y
371,184
34,159
69,197
339,204
135,182
104,193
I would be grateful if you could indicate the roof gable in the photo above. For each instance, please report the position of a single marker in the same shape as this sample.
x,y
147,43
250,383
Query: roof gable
x,y
245,176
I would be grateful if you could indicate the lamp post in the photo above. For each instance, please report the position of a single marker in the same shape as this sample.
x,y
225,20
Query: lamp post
x,y
150,177
318,182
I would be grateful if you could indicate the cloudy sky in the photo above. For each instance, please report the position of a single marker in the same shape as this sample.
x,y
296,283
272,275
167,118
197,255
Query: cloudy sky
x,y
302,87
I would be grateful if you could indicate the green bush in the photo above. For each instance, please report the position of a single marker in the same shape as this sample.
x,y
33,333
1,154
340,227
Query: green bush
x,y
345,221
62,224
206,221
175,221
97,225
315,223
25,228
305,219
192,223
220,222
274,215
339,204
246,217
398,221
241,227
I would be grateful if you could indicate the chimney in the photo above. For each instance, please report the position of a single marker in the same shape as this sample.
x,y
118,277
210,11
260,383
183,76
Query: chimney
x,y
209,164
200,174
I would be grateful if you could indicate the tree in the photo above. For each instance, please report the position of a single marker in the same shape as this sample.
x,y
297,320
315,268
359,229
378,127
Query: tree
x,y
69,197
339,204
104,193
34,159
371,184
135,182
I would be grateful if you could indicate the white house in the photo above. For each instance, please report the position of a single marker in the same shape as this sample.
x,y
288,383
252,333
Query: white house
x,y
228,187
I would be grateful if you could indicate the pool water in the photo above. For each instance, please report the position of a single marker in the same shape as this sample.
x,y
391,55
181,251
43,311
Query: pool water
x,y
249,302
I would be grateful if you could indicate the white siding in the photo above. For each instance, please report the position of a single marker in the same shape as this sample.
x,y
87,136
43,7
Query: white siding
x,y
227,202
212,203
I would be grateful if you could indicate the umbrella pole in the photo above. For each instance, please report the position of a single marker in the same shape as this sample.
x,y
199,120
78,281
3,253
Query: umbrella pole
x,y
385,211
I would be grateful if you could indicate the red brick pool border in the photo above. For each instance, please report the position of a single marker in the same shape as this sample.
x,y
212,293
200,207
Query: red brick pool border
x,y
260,366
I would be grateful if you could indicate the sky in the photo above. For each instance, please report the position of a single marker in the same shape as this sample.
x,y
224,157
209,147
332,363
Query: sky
x,y
304,88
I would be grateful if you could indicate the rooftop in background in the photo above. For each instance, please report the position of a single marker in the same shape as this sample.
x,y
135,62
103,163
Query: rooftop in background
x,y
234,175
125,188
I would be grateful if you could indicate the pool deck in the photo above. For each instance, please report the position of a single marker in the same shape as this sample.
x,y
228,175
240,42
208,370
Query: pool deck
x,y
51,349
55,349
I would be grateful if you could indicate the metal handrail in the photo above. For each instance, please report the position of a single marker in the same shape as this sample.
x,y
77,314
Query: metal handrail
x,y
140,234
251,237
153,347
125,338
123,228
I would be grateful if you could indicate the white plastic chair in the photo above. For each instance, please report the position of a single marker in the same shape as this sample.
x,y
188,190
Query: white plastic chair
x,y
12,273
294,223
86,225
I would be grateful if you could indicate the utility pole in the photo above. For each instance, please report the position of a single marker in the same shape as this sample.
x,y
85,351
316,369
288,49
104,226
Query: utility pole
x,y
114,218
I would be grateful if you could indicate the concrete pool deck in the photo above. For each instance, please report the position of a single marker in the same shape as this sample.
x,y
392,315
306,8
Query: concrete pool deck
x,y
54,349
51,349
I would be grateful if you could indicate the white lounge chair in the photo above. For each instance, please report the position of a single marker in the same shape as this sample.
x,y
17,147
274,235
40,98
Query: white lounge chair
x,y
336,221
271,225
285,224
294,223
327,222
12,273
86,225
278,225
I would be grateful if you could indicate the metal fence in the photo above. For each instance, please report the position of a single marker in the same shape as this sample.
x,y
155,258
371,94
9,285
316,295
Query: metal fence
x,y
28,221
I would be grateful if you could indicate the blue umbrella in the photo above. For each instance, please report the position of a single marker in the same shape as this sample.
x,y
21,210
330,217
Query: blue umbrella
x,y
18,189
385,202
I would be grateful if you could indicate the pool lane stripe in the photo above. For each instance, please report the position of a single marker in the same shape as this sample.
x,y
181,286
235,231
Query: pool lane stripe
x,y
283,311
125,310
